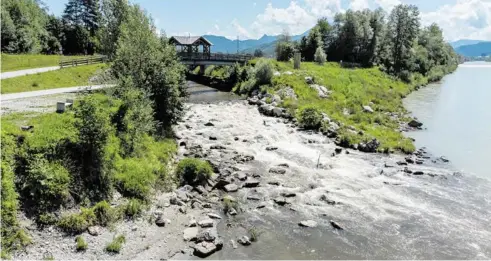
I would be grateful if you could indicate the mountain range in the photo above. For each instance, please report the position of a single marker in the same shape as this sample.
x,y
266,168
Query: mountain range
x,y
464,47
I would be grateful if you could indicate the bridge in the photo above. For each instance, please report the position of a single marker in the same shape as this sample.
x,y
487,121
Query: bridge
x,y
196,51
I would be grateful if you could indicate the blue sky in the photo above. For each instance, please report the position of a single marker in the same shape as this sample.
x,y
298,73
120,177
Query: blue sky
x,y
253,18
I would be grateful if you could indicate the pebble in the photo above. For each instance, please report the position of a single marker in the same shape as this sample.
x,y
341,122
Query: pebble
x,y
215,216
307,223
206,223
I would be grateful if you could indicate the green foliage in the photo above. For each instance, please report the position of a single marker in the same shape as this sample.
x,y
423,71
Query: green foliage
x,y
66,77
104,214
229,204
81,244
310,118
152,65
284,51
263,72
116,244
193,171
133,208
77,223
258,53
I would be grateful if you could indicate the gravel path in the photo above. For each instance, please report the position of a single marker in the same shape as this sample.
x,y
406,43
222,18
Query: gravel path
x,y
40,101
6,75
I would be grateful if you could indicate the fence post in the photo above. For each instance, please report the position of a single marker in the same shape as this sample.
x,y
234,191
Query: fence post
x,y
296,60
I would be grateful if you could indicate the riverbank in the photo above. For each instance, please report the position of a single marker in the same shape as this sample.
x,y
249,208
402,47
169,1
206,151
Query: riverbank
x,y
295,175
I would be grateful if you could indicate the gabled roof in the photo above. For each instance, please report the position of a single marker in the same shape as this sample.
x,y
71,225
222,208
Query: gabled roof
x,y
189,40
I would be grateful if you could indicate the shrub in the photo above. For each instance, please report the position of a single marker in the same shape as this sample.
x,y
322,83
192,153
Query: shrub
x,y
81,244
77,223
263,72
209,70
47,219
310,118
193,171
133,208
320,56
46,183
116,244
104,214
284,51
135,177
229,204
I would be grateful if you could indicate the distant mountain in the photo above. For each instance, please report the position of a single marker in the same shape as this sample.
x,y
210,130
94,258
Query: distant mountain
x,y
462,42
225,45
472,50
269,48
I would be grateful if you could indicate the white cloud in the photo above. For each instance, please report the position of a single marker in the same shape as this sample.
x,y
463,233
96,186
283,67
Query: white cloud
x,y
324,8
469,19
217,27
359,4
273,21
387,5
254,4
241,31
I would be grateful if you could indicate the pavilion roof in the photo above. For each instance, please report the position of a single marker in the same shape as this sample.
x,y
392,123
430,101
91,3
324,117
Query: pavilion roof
x,y
189,40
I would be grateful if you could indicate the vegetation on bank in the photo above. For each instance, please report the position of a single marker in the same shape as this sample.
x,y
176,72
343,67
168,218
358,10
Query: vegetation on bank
x,y
119,140
65,77
15,62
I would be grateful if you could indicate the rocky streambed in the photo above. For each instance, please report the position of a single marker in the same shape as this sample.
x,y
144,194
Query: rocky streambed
x,y
280,192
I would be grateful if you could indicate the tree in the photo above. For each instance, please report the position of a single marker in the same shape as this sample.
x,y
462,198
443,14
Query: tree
x,y
284,47
402,31
113,14
82,19
152,65
258,53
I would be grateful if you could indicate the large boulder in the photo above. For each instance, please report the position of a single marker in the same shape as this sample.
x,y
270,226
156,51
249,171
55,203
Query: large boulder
x,y
277,112
370,146
277,170
231,188
190,233
415,124
206,223
266,109
307,223
204,249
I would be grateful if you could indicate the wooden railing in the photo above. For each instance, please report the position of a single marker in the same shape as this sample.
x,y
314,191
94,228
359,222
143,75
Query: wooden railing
x,y
214,57
82,61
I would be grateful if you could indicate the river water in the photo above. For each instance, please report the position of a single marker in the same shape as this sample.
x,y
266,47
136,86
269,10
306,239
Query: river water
x,y
386,213
457,117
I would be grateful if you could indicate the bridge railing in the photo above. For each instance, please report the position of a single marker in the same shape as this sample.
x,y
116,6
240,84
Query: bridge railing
x,y
214,57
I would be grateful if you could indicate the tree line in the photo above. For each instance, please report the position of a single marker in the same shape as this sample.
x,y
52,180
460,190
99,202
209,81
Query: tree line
x,y
85,27
397,43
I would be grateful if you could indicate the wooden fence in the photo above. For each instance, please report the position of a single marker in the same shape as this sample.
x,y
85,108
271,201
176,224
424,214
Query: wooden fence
x,y
82,61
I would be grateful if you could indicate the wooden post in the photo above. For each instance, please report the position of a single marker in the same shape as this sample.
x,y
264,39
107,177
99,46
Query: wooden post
x,y
296,60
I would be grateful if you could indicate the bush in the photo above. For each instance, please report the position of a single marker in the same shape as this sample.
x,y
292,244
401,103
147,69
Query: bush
x,y
81,244
263,72
77,223
310,118
104,214
133,208
193,171
284,51
116,244
320,56
46,183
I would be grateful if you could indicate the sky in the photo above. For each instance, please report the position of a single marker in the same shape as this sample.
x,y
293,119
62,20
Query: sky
x,y
250,19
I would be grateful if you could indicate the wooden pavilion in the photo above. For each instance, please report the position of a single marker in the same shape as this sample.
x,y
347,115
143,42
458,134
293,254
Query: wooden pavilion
x,y
190,45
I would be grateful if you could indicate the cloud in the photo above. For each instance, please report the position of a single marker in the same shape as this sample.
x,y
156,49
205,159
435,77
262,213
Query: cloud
x,y
359,4
324,8
217,28
254,4
387,5
273,20
241,31
470,19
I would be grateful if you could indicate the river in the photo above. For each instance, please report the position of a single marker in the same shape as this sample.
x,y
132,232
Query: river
x,y
386,213
456,113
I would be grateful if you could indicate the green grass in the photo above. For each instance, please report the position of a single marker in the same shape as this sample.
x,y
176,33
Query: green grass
x,y
116,244
351,89
15,62
81,244
66,77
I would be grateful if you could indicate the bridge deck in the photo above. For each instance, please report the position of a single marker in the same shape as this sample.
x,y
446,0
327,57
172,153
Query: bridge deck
x,y
214,58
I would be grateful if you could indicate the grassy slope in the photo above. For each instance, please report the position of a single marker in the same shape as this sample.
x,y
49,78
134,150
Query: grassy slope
x,y
66,77
15,62
352,88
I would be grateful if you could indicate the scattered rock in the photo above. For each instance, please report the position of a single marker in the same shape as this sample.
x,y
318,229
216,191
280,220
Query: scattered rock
x,y
217,147
271,148
288,194
244,240
338,150
284,165
213,138
251,183
261,205
253,197
335,225
241,176
192,223
327,200
419,162
280,201
401,163
183,209
444,159
367,108
208,235
321,90
201,190
190,233
94,230
215,216
233,243
160,221
206,223
182,143
236,138
409,160
309,80
388,165
407,170
370,146
231,188
232,212
418,172
204,249
277,170
307,223
208,124
274,183
415,124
